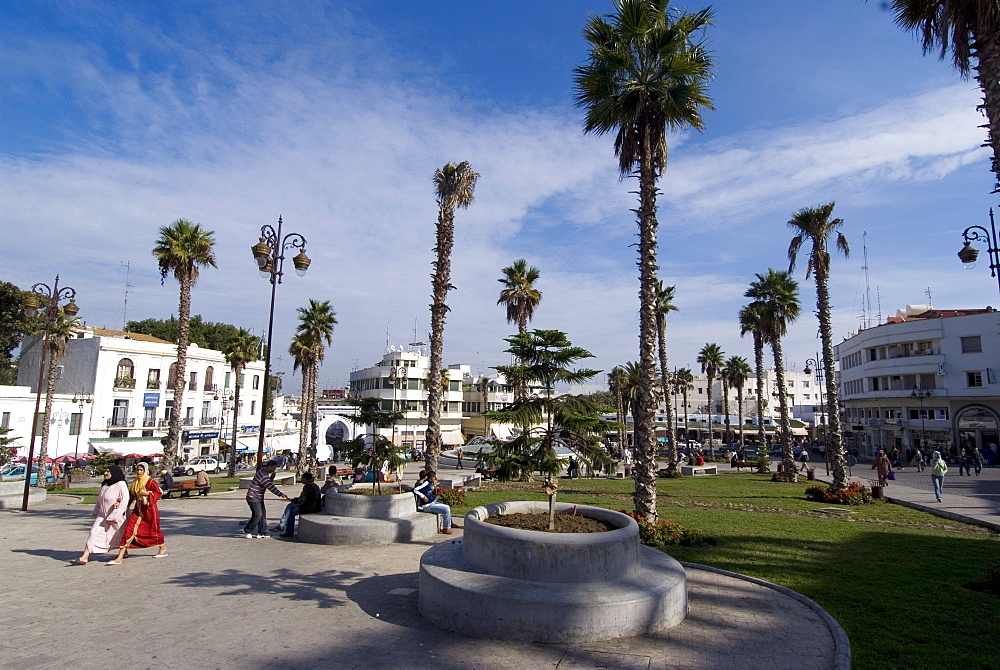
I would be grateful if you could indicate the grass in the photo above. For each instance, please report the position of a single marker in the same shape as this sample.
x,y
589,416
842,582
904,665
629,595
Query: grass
x,y
892,576
90,493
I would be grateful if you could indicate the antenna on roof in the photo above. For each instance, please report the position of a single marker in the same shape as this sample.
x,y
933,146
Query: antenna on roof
x,y
868,293
128,267
930,303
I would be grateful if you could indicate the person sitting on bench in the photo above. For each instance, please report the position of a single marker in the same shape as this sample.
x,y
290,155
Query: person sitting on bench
x,y
424,490
166,480
201,480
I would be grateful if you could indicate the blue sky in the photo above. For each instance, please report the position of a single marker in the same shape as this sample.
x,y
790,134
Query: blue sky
x,y
119,117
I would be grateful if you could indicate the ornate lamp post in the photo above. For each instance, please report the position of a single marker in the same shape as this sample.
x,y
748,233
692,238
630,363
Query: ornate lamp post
x,y
44,299
820,378
80,399
919,393
969,254
269,253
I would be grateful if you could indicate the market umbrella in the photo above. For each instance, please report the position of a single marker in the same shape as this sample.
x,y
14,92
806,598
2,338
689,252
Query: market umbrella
x,y
66,459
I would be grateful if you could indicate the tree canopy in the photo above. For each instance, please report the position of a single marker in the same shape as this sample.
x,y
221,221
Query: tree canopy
x,y
207,334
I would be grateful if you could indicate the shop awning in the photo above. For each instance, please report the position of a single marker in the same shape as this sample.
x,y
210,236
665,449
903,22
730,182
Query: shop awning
x,y
452,438
126,446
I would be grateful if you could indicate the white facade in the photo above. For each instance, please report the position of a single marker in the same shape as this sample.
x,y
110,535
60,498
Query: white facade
x,y
926,377
128,377
399,380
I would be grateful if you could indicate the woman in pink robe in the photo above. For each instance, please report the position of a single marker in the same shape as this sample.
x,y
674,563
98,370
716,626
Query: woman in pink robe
x,y
109,515
143,526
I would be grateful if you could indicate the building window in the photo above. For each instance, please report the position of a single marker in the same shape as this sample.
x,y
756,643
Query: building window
x,y
193,386
454,385
256,382
153,379
172,376
5,420
209,374
75,421
228,378
974,379
805,383
125,368
972,344
206,411
253,407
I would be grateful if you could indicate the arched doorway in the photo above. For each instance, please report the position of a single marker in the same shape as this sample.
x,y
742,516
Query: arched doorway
x,y
978,426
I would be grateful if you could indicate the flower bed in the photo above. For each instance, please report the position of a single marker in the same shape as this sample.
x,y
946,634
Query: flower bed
x,y
666,533
451,497
853,494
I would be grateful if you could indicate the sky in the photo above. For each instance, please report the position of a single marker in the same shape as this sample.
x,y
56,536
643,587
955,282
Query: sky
x,y
119,117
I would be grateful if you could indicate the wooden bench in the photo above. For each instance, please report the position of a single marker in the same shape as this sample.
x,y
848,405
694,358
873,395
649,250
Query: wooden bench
x,y
739,465
699,470
184,490
488,473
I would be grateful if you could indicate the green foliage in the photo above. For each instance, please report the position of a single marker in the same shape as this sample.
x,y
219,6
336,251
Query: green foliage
x,y
602,400
15,323
101,463
6,447
853,494
667,533
450,497
207,334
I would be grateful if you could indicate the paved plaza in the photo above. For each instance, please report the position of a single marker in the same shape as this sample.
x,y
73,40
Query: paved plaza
x,y
221,601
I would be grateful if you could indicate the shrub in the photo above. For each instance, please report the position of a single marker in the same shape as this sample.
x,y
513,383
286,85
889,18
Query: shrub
x,y
763,463
853,494
450,497
665,533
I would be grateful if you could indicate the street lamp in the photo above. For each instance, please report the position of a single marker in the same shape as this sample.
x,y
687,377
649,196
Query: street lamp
x,y
44,299
398,380
919,393
269,253
969,253
80,399
820,378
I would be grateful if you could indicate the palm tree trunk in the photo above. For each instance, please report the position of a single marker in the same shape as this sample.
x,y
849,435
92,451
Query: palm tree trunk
x,y
439,308
739,411
313,420
237,371
43,448
304,415
687,429
645,402
725,408
836,446
787,459
710,380
758,359
987,51
180,381
671,427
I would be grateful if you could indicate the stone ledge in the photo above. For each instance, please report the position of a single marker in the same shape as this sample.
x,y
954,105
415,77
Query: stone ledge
x,y
342,530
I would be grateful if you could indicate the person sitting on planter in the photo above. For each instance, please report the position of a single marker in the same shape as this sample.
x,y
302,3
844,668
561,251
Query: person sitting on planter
x,y
426,501
310,501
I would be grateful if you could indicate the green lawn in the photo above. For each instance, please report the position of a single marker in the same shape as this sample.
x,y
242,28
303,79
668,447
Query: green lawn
x,y
891,576
89,493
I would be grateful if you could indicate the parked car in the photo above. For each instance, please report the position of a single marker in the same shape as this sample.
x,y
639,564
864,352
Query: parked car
x,y
198,464
16,471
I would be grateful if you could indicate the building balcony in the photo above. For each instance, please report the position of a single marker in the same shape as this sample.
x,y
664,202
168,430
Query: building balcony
x,y
153,385
211,388
121,422
125,383
189,421
163,423
149,423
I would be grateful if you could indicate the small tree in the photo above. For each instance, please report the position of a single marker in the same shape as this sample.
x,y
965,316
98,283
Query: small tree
x,y
381,452
545,356
7,448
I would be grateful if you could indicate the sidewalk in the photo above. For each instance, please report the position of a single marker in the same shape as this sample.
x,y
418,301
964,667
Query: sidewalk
x,y
222,601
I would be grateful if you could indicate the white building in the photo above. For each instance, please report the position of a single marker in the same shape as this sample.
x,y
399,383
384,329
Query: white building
x,y
129,378
399,380
925,377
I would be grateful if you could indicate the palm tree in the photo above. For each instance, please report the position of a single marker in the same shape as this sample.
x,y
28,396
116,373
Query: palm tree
x,y
648,70
737,371
242,349
665,305
519,294
182,249
60,333
617,381
969,29
778,296
750,320
711,359
684,380
303,355
814,224
455,186
316,322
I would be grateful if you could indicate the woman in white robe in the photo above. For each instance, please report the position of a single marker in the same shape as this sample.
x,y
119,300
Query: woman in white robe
x,y
109,515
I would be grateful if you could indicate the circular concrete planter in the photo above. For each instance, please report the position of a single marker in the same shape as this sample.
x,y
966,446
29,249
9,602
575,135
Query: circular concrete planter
x,y
367,519
368,506
531,586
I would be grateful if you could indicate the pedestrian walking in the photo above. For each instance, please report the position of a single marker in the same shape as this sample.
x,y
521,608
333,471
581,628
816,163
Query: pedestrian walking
x,y
966,463
919,460
143,526
458,455
804,457
977,460
261,482
938,470
883,466
109,515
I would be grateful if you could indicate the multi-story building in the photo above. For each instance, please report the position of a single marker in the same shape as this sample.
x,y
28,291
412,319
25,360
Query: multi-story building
x,y
925,377
399,380
129,379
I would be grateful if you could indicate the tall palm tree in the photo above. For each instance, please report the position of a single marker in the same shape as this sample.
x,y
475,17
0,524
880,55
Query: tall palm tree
x,y
181,250
738,371
711,358
665,305
519,294
60,333
617,381
813,224
303,353
778,295
316,322
455,186
243,348
648,71
750,322
684,380
970,29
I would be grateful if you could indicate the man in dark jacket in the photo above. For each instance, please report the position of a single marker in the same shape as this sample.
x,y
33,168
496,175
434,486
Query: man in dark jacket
x,y
310,501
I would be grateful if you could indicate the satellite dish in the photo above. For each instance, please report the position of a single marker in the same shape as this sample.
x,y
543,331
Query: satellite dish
x,y
392,348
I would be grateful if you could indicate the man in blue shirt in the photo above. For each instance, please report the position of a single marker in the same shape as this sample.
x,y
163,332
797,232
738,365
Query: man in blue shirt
x,y
426,502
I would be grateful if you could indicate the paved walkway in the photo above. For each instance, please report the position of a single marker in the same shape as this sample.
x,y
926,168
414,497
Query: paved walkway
x,y
222,601
974,499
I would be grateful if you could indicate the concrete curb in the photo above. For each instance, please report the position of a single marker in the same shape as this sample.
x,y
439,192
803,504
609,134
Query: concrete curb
x,y
842,645
946,513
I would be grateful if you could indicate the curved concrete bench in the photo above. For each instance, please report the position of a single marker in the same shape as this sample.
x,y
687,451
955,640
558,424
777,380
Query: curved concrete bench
x,y
12,494
366,519
531,586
